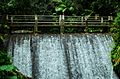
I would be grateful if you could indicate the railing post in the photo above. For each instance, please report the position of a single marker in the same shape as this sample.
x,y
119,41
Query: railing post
x,y
110,18
86,23
102,23
61,21
7,17
36,24
82,20
101,20
11,20
6,24
6,20
96,16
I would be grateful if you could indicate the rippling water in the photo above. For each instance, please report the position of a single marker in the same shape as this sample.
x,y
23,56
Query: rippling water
x,y
75,56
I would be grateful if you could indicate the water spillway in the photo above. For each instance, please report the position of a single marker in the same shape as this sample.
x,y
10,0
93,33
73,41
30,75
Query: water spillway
x,y
68,56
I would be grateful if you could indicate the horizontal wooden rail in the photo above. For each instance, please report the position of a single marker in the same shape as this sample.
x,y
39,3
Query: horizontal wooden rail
x,y
37,22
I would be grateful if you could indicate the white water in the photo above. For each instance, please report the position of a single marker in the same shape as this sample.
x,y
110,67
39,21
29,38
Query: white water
x,y
77,56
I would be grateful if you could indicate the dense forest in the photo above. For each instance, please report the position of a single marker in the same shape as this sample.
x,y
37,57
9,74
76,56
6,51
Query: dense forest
x,y
69,7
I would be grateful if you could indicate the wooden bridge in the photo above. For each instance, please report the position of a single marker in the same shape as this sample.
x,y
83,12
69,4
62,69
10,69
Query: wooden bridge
x,y
58,24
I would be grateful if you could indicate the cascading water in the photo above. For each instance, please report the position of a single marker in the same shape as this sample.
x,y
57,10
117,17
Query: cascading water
x,y
75,56
49,58
19,49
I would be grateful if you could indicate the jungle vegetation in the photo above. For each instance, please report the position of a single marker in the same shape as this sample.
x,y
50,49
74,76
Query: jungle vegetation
x,y
69,7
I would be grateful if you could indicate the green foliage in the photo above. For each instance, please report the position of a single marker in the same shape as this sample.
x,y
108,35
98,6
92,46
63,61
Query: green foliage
x,y
7,7
117,20
102,7
61,8
115,55
13,77
69,7
64,7
4,58
116,29
7,69
69,30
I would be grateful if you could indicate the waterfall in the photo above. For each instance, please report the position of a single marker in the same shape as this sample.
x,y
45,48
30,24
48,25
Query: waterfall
x,y
68,56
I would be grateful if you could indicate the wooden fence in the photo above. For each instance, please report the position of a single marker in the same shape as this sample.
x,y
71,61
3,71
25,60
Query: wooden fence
x,y
34,23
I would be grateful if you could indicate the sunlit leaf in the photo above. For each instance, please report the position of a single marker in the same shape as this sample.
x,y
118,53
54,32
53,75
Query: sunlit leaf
x,y
62,5
2,39
13,77
118,50
57,0
71,9
6,26
64,10
57,9
118,14
6,68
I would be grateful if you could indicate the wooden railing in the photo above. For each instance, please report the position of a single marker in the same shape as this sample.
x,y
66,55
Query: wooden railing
x,y
34,23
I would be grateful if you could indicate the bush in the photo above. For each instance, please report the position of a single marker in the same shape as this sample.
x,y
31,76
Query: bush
x,y
115,55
